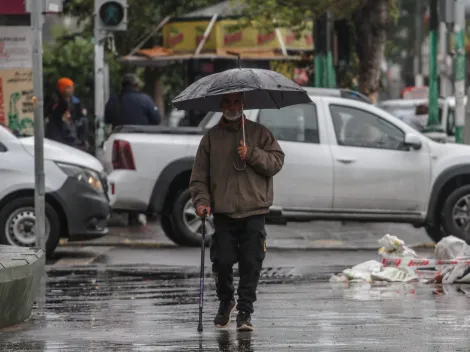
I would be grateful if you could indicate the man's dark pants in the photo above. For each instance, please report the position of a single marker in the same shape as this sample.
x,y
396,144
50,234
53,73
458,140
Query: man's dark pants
x,y
243,241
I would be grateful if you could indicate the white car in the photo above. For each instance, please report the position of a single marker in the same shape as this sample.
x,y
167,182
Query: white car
x,y
77,206
345,160
404,109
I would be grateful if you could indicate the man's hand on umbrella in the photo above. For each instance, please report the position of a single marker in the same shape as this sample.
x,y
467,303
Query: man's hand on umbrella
x,y
203,211
242,150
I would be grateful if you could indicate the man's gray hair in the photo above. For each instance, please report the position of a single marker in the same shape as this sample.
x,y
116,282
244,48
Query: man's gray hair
x,y
130,80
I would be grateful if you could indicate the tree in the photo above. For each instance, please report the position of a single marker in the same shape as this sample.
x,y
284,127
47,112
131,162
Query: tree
x,y
371,19
143,15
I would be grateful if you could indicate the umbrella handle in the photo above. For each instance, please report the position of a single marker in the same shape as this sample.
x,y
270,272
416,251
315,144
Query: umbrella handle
x,y
244,142
243,128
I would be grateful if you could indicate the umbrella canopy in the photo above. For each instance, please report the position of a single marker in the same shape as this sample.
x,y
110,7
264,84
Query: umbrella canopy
x,y
262,89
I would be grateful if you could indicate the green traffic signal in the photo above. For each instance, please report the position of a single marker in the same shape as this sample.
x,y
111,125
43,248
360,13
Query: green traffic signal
x,y
111,13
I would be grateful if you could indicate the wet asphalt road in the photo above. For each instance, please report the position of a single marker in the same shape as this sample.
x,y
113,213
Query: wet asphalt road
x,y
111,305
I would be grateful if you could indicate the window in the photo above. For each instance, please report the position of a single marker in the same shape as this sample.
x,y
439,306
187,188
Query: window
x,y
211,119
297,123
359,128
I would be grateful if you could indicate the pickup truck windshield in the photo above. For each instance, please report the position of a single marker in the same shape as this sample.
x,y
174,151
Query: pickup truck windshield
x,y
210,120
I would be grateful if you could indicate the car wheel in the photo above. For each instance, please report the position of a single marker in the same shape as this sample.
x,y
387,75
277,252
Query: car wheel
x,y
435,232
456,213
17,221
186,224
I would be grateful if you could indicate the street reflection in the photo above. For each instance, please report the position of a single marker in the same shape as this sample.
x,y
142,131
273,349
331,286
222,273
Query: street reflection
x,y
242,342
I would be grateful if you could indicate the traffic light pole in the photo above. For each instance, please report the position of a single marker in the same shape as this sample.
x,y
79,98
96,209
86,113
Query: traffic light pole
x,y
462,130
99,36
37,20
433,119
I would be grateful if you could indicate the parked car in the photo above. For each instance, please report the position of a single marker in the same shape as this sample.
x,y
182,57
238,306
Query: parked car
x,y
404,108
346,159
77,205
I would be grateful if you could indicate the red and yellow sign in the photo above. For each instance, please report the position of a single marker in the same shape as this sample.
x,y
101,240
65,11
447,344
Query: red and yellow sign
x,y
302,42
185,37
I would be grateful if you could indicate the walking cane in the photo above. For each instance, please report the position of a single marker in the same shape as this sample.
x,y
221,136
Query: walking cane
x,y
201,278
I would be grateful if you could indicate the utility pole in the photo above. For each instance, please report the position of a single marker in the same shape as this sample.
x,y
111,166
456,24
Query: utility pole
x,y
109,16
37,20
330,66
462,129
418,61
325,76
319,35
433,120
99,37
445,73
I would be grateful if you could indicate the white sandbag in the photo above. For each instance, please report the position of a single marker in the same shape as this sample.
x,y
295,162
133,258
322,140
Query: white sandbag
x,y
393,247
394,275
363,271
449,248
340,278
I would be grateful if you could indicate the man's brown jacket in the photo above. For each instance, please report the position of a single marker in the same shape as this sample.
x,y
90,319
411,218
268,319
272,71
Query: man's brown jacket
x,y
216,183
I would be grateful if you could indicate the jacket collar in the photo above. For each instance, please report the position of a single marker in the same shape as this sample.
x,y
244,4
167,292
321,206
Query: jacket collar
x,y
232,125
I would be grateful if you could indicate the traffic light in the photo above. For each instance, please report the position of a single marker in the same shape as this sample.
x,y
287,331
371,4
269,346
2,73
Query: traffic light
x,y
112,15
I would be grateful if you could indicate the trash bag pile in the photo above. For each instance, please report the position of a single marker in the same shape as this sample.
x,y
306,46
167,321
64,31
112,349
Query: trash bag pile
x,y
399,263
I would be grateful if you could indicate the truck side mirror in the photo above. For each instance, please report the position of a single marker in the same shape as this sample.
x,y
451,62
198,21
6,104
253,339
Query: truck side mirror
x,y
413,141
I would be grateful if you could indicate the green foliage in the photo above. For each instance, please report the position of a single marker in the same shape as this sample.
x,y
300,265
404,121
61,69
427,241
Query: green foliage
x,y
73,58
294,14
143,15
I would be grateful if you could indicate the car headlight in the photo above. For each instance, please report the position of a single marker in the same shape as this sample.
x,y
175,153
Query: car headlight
x,y
82,174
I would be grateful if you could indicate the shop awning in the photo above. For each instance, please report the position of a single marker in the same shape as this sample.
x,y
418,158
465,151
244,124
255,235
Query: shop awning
x,y
159,56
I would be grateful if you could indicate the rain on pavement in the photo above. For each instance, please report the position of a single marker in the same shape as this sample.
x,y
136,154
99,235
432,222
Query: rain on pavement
x,y
111,305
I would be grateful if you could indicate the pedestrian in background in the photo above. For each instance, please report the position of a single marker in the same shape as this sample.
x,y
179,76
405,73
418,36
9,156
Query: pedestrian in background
x,y
62,113
239,201
131,106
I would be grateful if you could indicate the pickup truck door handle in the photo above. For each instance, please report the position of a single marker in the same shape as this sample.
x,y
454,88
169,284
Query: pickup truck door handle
x,y
345,160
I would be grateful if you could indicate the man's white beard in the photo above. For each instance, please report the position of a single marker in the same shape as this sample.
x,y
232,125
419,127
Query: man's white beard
x,y
232,115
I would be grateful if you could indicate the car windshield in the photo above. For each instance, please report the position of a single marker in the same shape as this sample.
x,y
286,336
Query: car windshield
x,y
401,112
405,112
210,120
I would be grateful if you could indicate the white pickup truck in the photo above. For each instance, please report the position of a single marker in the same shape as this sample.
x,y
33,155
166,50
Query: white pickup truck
x,y
345,160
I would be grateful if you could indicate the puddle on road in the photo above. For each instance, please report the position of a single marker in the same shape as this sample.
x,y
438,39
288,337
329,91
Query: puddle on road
x,y
144,309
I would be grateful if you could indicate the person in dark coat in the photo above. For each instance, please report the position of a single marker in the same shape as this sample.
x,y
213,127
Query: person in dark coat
x,y
131,106
62,113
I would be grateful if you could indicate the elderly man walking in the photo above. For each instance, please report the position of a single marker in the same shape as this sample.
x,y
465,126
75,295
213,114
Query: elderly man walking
x,y
239,198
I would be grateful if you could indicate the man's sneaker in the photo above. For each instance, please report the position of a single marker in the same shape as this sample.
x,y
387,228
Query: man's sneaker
x,y
244,321
224,315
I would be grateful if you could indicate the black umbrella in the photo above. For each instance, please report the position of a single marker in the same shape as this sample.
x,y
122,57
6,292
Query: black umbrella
x,y
262,89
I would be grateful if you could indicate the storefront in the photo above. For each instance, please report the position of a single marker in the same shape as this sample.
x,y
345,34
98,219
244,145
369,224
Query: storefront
x,y
228,45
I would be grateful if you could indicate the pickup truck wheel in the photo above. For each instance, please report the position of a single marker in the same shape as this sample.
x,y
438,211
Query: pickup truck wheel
x,y
17,221
186,224
435,232
456,213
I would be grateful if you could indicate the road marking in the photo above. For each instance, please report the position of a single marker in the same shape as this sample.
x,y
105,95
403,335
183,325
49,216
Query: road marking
x,y
327,243
82,256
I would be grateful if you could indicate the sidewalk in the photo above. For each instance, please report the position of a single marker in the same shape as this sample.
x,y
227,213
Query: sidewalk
x,y
309,236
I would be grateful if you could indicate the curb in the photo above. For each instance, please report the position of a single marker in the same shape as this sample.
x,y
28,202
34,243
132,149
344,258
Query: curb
x,y
165,245
21,271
